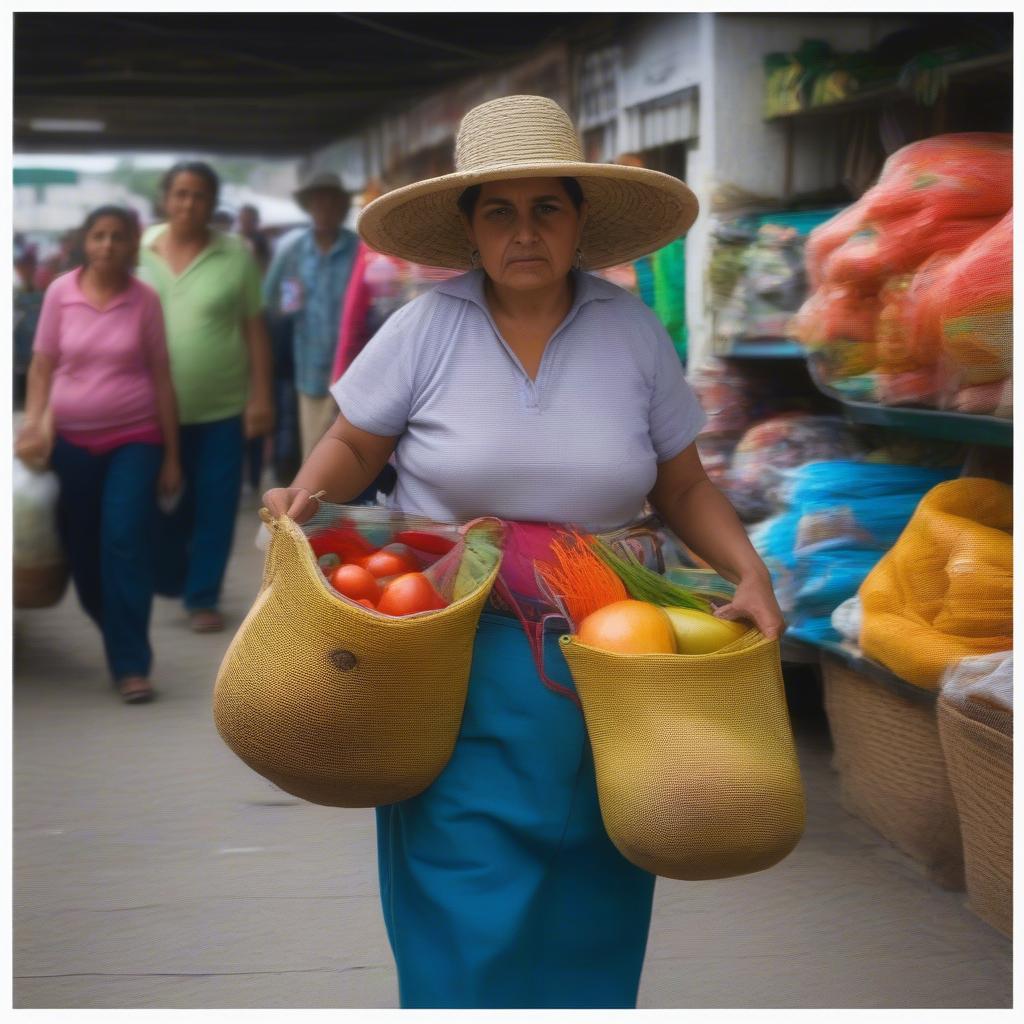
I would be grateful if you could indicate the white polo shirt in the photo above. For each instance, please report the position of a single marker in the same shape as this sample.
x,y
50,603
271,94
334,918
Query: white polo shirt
x,y
580,445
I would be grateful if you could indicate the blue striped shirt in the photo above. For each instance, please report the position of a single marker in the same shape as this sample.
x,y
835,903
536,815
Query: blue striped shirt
x,y
581,444
322,281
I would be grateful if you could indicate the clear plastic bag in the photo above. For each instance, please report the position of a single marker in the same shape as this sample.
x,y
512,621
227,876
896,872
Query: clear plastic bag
x,y
457,560
40,568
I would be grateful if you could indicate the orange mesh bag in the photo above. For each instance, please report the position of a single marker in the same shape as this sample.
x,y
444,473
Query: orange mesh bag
x,y
881,249
974,300
826,238
836,312
945,590
969,174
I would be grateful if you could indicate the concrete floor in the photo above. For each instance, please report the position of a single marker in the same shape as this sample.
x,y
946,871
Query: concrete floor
x,y
153,869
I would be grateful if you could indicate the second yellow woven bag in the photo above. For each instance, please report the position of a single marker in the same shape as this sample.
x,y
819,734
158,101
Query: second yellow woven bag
x,y
334,703
697,774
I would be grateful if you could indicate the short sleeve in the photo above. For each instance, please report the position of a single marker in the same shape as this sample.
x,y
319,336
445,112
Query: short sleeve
x,y
676,416
377,391
154,332
252,286
47,339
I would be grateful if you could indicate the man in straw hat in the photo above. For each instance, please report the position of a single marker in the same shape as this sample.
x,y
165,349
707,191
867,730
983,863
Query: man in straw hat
x,y
532,391
307,279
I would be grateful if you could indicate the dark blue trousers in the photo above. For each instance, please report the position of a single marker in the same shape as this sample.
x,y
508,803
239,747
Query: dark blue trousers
x,y
106,515
194,541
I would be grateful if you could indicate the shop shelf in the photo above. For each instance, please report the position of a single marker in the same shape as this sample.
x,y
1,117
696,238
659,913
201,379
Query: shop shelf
x,y
890,93
933,423
780,348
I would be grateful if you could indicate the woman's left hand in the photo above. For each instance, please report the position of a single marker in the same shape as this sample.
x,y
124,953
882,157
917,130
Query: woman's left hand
x,y
169,481
754,600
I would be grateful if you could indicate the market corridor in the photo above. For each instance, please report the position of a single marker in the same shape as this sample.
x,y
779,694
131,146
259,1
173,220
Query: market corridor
x,y
153,869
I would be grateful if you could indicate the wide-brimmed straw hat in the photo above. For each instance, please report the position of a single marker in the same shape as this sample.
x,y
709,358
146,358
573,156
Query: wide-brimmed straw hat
x,y
633,211
319,181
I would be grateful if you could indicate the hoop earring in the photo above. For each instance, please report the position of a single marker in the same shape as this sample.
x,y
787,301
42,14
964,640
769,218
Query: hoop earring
x,y
578,261
474,258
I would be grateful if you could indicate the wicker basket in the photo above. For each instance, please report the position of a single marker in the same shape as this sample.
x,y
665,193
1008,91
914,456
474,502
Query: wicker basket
x,y
892,773
978,743
40,586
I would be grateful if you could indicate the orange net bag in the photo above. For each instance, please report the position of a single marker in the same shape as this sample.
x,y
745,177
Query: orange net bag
x,y
945,589
882,249
969,174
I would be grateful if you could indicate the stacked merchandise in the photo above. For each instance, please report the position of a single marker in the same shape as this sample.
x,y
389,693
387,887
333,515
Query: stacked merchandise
x,y
815,75
912,285
756,274
838,519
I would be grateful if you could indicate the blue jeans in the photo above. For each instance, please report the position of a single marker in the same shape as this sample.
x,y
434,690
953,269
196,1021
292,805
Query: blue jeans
x,y
194,541
106,516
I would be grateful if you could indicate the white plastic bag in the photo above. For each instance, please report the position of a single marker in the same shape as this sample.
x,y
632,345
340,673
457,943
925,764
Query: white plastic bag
x,y
36,541
846,619
40,569
986,677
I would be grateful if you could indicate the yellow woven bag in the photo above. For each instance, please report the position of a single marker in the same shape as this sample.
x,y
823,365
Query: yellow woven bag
x,y
334,703
697,774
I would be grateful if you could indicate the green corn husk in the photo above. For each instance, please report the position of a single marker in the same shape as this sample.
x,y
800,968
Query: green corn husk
x,y
645,585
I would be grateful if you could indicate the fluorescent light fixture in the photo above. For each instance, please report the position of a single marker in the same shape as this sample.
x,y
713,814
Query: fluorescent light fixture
x,y
58,124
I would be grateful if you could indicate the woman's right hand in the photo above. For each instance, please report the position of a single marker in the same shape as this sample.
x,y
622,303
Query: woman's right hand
x,y
295,502
33,444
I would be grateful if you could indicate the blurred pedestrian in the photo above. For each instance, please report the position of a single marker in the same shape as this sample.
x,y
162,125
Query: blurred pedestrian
x,y
67,256
307,280
28,301
100,380
248,227
220,360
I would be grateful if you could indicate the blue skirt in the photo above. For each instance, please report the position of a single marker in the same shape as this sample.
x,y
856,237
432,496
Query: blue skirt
x,y
499,884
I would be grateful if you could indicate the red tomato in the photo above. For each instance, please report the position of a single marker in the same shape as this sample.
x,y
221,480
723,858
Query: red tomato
x,y
409,593
390,561
355,582
366,603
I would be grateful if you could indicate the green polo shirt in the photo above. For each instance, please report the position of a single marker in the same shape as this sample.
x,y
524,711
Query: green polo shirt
x,y
204,309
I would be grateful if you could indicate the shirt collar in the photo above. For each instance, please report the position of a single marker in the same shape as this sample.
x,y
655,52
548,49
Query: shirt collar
x,y
470,286
74,294
345,240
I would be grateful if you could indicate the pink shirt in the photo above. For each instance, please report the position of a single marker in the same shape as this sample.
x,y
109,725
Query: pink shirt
x,y
103,385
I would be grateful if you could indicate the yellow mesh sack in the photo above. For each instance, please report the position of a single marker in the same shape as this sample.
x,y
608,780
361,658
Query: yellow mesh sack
x,y
945,590
697,774
335,703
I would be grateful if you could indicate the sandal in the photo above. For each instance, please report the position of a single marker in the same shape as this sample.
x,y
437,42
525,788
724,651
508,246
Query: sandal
x,y
135,690
206,620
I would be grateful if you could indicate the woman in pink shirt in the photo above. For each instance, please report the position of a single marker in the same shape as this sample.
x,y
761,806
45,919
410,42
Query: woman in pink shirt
x,y
101,409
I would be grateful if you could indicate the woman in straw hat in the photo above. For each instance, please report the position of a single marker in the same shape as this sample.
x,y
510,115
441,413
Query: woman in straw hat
x,y
529,390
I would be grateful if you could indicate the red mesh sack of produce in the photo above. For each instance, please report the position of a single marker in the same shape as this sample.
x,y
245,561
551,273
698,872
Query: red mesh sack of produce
x,y
826,238
974,300
883,249
965,175
836,312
